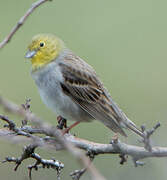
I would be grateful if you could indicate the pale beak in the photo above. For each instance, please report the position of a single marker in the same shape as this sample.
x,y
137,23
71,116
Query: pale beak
x,y
30,54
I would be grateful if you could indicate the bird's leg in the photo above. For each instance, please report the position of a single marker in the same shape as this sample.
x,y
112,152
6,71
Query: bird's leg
x,y
69,128
62,122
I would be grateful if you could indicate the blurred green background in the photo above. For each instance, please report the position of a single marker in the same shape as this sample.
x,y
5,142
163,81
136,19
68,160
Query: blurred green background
x,y
125,41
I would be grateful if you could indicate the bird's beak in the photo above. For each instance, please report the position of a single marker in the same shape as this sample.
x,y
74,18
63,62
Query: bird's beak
x,y
30,54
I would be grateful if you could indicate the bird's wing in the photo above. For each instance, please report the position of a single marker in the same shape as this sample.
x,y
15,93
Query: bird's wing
x,y
83,86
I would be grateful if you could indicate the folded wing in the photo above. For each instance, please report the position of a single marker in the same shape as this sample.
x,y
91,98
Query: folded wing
x,y
83,86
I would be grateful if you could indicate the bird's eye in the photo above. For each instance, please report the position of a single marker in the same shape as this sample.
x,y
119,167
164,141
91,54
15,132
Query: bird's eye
x,y
41,44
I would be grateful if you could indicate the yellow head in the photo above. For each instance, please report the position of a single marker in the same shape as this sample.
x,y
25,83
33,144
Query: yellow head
x,y
43,49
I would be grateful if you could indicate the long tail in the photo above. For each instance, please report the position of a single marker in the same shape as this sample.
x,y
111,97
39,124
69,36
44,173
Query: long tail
x,y
130,125
123,120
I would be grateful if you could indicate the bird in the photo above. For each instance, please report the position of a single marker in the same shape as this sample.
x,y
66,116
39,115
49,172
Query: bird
x,y
70,87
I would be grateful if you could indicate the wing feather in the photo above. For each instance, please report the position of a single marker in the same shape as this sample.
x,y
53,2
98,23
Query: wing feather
x,y
83,86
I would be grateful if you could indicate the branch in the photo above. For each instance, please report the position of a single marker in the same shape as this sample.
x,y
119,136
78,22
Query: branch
x,y
66,141
119,147
47,130
116,147
28,152
21,22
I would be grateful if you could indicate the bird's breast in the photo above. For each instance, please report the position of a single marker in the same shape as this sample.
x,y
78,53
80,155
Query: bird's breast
x,y
48,83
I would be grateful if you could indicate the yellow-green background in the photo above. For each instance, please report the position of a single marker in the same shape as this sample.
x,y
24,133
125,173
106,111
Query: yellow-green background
x,y
125,41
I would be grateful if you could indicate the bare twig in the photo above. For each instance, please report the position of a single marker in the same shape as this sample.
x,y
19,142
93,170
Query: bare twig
x,y
123,158
28,152
26,106
135,152
77,174
116,147
148,133
21,21
53,132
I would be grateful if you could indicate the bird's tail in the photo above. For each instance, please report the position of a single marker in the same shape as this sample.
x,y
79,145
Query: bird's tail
x,y
130,125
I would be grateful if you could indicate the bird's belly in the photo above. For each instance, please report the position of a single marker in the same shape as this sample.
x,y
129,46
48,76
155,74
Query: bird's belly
x,y
53,97
63,105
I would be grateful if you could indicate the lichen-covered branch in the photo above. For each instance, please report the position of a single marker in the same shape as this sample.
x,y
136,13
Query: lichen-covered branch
x,y
116,147
44,128
28,152
136,152
55,139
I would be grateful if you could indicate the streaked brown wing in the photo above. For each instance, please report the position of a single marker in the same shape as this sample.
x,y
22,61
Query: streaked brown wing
x,y
83,86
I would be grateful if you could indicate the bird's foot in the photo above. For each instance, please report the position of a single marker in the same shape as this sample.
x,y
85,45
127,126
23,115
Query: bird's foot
x,y
62,122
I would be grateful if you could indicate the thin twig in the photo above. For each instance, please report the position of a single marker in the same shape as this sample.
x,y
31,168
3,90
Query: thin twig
x,y
28,152
146,140
21,22
77,174
53,132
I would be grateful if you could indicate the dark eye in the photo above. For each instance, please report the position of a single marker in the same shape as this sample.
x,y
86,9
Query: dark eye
x,y
41,44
